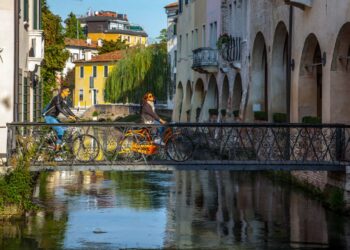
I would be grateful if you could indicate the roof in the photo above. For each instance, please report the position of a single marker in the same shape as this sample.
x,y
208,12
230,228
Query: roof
x,y
172,5
107,57
79,43
126,32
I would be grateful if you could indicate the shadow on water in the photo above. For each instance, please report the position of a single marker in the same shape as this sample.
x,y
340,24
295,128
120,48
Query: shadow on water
x,y
180,210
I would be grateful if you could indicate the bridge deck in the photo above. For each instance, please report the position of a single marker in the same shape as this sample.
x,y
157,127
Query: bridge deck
x,y
193,165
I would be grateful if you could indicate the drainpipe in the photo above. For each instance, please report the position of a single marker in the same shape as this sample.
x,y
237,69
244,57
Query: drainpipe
x,y
16,61
290,63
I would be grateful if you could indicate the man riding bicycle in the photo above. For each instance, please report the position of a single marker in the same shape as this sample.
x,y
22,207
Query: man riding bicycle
x,y
58,105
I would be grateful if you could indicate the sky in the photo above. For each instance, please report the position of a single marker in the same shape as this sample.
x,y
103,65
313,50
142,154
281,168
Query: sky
x,y
150,14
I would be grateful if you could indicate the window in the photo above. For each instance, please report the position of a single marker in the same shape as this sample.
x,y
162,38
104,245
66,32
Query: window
x,y
81,95
180,45
175,58
81,72
195,46
105,71
187,44
175,29
180,6
35,15
204,36
94,71
186,1
91,82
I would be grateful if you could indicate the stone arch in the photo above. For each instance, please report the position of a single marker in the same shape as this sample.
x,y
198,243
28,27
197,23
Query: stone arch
x,y
187,103
197,100
310,79
340,75
237,93
225,94
211,98
278,83
178,102
259,88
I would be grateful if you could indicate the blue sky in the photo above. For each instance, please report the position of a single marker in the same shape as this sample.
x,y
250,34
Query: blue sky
x,y
150,14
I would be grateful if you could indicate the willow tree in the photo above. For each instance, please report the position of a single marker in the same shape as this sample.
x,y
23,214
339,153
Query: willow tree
x,y
142,69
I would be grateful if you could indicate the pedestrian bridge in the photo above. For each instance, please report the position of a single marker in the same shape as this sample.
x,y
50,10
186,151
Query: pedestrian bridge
x,y
200,146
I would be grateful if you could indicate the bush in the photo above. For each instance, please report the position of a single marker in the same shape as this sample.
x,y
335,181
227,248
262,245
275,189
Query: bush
x,y
223,112
260,116
235,113
311,120
213,112
279,117
95,113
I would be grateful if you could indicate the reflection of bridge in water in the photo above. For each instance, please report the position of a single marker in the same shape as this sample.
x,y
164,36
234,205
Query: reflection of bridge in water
x,y
238,146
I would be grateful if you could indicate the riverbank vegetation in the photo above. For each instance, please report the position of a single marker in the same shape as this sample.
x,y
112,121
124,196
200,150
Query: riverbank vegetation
x,y
16,189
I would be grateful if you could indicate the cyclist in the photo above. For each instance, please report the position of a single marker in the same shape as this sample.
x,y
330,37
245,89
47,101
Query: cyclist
x,y
149,115
58,105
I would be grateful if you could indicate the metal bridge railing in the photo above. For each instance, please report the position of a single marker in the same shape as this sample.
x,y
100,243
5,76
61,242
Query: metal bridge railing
x,y
212,143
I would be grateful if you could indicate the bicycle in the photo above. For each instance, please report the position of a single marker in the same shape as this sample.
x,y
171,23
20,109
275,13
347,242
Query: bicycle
x,y
138,144
77,145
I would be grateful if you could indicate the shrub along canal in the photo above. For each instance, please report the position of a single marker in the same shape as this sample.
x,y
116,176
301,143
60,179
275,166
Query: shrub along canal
x,y
180,210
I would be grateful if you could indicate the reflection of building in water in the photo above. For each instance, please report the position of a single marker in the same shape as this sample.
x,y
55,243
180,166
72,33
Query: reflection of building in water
x,y
211,209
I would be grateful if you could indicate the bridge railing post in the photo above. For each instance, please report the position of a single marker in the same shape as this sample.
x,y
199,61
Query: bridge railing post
x,y
339,143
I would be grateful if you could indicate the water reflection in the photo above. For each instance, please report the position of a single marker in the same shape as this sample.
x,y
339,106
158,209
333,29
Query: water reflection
x,y
181,210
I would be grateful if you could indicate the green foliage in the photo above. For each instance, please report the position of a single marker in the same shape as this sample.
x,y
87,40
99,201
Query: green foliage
x,y
311,120
16,187
73,28
163,36
235,113
130,118
143,69
260,116
223,112
95,113
55,53
109,46
279,117
222,40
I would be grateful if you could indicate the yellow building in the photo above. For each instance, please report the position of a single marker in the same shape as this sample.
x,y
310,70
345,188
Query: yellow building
x,y
108,25
90,78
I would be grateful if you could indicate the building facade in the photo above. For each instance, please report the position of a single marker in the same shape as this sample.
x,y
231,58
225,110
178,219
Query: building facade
x,y
108,25
21,54
172,12
90,77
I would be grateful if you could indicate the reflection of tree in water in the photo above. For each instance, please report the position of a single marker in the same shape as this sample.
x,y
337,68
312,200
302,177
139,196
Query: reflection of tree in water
x,y
142,190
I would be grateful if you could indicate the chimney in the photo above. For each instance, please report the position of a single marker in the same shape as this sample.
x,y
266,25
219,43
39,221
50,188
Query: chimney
x,y
88,55
88,41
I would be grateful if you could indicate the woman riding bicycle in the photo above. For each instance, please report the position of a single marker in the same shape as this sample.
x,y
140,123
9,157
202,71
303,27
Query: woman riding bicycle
x,y
148,113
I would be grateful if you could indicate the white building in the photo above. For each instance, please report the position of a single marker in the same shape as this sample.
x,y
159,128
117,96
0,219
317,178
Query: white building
x,y
172,12
21,53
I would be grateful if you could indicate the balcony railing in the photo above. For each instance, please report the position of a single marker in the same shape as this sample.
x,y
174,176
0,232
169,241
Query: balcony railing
x,y
231,50
205,60
36,50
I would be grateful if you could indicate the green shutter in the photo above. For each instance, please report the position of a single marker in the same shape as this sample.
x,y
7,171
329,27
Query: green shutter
x,y
35,15
25,10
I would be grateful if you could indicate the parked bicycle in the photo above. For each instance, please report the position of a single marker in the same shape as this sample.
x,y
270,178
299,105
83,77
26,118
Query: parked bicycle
x,y
77,145
138,144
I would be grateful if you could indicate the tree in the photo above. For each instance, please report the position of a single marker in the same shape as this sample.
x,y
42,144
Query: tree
x,y
142,69
109,46
55,53
163,36
73,28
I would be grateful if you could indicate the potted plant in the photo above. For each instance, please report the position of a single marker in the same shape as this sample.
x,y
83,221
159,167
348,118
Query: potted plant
x,y
94,115
235,113
213,112
279,117
311,120
222,40
260,116
223,112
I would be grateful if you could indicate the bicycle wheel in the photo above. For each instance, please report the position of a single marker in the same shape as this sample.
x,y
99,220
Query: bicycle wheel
x,y
179,147
129,148
85,148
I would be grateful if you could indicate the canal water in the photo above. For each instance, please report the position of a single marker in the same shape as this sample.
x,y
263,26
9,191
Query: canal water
x,y
180,210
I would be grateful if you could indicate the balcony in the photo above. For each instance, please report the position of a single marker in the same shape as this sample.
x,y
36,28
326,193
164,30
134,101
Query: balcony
x,y
36,51
302,4
205,60
231,49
